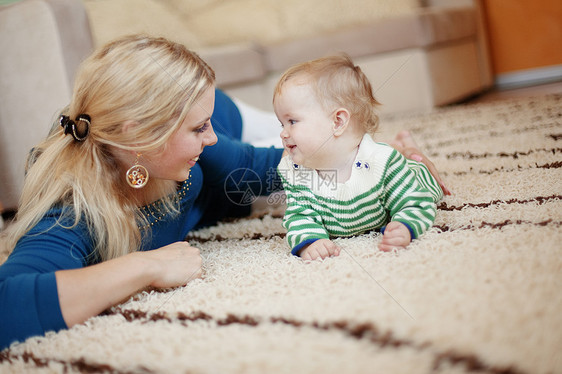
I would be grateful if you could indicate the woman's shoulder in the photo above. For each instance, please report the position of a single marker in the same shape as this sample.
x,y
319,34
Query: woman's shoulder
x,y
58,215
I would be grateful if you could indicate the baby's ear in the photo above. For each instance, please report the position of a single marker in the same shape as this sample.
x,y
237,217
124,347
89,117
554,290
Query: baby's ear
x,y
341,121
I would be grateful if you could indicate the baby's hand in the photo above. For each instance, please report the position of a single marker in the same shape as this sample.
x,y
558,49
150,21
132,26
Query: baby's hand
x,y
396,235
321,248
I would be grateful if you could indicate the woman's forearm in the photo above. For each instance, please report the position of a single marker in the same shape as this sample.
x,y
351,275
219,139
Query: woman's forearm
x,y
88,291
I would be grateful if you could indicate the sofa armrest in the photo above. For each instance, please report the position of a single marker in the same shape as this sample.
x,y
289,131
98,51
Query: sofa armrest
x,y
43,42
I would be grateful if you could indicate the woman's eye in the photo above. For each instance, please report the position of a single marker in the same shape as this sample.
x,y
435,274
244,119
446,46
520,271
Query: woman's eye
x,y
203,128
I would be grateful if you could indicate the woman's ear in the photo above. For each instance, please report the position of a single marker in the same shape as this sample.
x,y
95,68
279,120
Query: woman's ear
x,y
127,156
128,125
341,121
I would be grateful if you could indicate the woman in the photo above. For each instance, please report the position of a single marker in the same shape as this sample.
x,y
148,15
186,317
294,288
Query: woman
x,y
112,192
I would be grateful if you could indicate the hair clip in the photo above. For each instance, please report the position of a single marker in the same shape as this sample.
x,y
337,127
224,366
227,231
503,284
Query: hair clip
x,y
79,129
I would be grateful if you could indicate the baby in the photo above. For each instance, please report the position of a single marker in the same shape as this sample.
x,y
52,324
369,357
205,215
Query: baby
x,y
338,180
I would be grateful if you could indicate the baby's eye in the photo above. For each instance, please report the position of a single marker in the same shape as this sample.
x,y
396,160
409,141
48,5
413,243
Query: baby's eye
x,y
292,121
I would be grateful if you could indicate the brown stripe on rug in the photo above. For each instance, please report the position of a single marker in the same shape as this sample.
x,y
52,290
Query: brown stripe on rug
x,y
30,362
514,155
539,199
365,331
552,165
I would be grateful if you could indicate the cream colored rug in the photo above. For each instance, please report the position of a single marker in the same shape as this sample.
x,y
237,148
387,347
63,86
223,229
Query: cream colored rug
x,y
481,292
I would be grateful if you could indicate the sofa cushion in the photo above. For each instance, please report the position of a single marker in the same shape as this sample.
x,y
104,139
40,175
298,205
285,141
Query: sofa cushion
x,y
235,63
272,21
111,19
445,24
384,35
427,27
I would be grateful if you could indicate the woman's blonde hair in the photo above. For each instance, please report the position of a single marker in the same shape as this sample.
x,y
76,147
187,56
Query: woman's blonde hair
x,y
150,82
337,82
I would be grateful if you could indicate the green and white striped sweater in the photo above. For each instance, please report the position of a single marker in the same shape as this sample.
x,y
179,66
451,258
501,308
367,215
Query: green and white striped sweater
x,y
384,186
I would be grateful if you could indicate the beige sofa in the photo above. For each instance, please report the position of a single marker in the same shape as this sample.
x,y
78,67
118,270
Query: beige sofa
x,y
415,61
42,43
418,54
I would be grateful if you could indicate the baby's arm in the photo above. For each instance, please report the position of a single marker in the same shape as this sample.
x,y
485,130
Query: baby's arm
x,y
306,234
396,235
405,144
410,205
321,248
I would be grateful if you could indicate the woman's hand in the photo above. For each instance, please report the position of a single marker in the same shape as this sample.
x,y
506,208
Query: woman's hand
x,y
173,265
405,144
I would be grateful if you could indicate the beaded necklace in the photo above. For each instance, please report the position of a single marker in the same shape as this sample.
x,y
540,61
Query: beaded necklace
x,y
155,212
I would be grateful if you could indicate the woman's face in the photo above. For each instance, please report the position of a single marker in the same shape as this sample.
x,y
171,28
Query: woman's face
x,y
182,150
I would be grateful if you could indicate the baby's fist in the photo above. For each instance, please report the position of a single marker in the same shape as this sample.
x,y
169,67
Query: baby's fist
x,y
321,248
396,235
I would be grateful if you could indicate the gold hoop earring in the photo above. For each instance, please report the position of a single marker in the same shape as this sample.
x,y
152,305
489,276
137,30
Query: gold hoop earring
x,y
137,175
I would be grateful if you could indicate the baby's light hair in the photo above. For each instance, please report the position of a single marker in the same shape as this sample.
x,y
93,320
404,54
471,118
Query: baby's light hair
x,y
337,82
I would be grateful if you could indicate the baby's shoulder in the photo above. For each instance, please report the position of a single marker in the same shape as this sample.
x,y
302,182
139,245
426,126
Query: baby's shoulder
x,y
376,152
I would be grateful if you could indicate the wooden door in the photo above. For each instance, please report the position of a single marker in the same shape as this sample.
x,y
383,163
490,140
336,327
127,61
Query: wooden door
x,y
525,36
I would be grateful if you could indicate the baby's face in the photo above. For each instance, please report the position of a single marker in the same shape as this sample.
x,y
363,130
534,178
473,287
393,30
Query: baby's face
x,y
307,129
